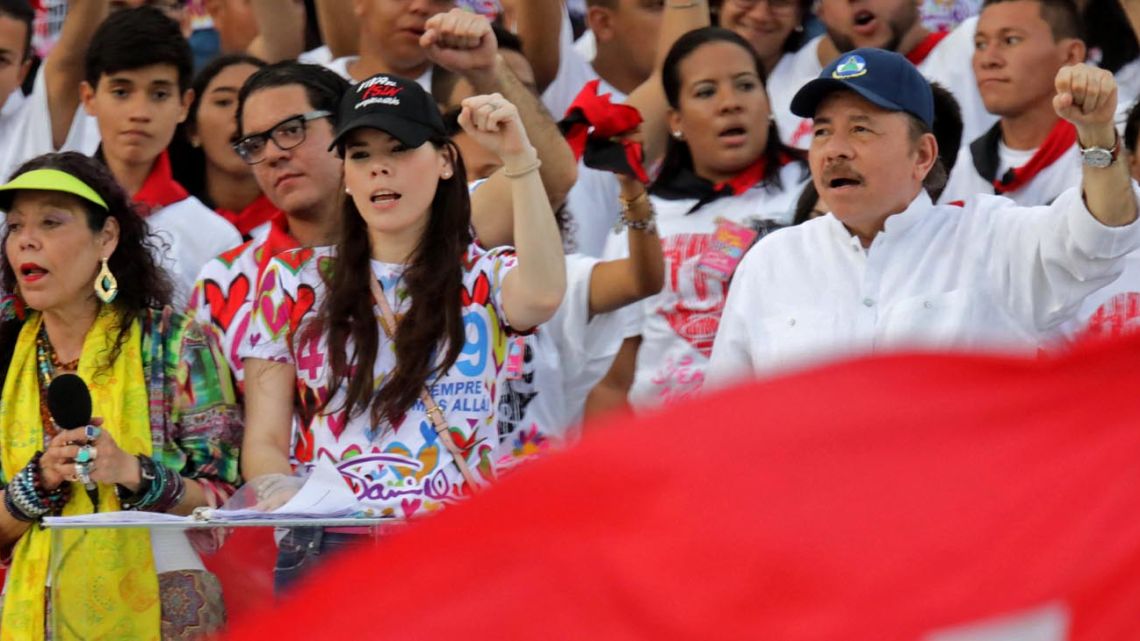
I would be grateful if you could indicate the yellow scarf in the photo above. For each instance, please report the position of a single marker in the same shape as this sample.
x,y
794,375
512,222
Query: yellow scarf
x,y
105,586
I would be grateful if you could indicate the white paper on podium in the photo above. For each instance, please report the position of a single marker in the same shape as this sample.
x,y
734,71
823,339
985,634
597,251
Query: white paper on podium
x,y
324,495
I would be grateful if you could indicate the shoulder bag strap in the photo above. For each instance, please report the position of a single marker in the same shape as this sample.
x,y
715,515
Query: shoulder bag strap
x,y
388,322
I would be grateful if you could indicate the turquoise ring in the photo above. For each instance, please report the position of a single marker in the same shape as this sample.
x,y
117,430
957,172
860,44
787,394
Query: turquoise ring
x,y
86,454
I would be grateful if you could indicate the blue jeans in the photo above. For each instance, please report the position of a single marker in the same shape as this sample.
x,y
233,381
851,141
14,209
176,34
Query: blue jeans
x,y
305,548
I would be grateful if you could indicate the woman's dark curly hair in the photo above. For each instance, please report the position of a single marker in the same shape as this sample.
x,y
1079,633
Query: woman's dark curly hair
x,y
143,283
433,323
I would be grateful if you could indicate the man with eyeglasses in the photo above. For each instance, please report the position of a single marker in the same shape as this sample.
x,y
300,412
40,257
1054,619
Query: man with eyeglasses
x,y
286,115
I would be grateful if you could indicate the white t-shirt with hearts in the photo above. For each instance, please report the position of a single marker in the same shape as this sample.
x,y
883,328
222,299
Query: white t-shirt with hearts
x,y
402,470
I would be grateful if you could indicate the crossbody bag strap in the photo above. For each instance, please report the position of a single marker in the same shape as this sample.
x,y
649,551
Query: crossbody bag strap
x,y
435,414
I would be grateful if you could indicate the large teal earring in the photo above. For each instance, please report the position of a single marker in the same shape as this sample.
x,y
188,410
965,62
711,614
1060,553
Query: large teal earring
x,y
106,287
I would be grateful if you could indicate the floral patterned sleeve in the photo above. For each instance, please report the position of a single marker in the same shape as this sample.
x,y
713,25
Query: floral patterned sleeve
x,y
195,419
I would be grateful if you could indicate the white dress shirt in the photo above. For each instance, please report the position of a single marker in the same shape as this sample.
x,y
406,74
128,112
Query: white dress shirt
x,y
987,276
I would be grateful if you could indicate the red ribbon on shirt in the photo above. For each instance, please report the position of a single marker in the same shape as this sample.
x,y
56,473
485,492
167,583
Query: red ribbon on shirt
x,y
1060,139
592,127
255,214
159,189
923,49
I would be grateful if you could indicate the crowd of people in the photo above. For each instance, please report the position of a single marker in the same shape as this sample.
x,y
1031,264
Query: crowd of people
x,y
427,248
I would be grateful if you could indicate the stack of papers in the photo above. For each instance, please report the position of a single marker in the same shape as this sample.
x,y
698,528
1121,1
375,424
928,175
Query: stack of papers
x,y
323,496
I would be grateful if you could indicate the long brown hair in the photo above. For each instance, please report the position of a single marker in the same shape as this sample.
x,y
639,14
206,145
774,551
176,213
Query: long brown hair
x,y
434,280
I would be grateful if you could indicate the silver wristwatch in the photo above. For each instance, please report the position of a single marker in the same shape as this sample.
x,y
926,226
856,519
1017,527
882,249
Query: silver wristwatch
x,y
1099,157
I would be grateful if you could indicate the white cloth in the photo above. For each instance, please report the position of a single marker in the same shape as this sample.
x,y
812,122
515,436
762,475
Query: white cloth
x,y
25,128
565,359
322,56
949,64
1046,186
193,234
988,276
1127,91
574,71
340,66
791,73
678,325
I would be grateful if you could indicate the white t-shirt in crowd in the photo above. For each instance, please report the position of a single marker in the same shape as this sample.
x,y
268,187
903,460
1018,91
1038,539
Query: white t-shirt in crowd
x,y
989,275
194,234
678,325
340,66
25,129
948,64
402,470
322,56
793,71
1127,91
944,15
565,358
965,180
593,200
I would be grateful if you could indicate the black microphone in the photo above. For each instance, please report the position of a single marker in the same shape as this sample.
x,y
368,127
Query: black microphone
x,y
69,402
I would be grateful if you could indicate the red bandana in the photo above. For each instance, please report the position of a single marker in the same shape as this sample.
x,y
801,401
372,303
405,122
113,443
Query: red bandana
x,y
257,213
1060,139
160,189
920,52
279,240
593,126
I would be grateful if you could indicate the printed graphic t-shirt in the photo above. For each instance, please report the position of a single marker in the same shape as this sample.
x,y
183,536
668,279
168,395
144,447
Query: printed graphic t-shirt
x,y
402,469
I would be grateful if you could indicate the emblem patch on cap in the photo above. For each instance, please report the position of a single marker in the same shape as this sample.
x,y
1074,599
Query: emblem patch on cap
x,y
378,90
851,67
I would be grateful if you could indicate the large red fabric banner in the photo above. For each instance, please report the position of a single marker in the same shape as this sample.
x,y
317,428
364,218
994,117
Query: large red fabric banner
x,y
918,498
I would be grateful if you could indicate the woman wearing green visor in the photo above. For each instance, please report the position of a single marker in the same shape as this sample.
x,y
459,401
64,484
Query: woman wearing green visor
x,y
89,298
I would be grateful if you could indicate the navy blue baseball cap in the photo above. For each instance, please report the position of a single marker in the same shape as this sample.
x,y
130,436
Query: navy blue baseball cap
x,y
883,77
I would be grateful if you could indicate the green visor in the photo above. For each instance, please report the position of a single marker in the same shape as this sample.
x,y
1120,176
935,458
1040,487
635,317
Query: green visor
x,y
49,180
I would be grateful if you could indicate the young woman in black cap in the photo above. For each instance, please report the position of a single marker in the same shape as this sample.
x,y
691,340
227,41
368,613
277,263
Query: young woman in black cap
x,y
396,337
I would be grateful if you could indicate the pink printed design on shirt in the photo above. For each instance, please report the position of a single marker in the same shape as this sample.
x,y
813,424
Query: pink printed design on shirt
x,y
678,380
697,298
1118,316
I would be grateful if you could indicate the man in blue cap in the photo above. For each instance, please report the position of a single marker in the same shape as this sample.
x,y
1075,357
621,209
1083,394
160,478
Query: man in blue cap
x,y
888,269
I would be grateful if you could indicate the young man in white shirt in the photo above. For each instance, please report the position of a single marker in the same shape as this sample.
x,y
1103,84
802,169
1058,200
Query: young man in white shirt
x,y
46,120
138,73
1030,156
389,41
887,269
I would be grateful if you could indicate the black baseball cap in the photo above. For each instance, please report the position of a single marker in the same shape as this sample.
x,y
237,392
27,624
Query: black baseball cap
x,y
883,77
391,104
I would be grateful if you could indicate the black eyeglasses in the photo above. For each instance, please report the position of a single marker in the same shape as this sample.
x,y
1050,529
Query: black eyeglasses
x,y
287,134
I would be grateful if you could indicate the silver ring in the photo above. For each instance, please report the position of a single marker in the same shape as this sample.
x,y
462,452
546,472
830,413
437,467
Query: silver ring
x,y
83,472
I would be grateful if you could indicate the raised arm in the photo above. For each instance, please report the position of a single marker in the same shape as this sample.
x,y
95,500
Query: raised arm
x,y
617,283
281,29
464,43
1086,96
538,24
681,17
64,66
533,290
338,27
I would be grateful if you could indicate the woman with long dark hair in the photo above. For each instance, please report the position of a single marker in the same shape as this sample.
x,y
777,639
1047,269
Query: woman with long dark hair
x,y
725,179
396,338
202,156
91,300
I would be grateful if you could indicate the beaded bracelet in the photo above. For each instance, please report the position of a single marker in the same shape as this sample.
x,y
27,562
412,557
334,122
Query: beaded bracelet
x,y
27,500
161,490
